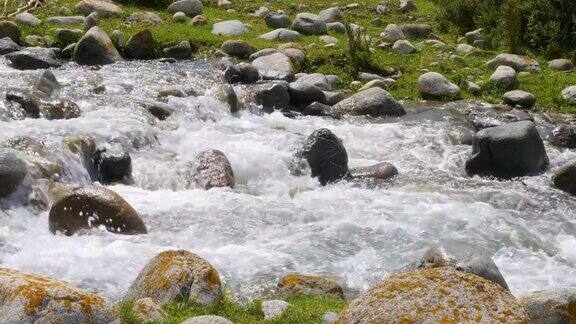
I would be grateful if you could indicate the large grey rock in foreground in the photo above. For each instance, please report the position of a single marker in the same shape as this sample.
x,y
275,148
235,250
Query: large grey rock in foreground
x,y
375,102
31,298
309,24
33,58
553,306
190,7
435,86
275,66
519,63
12,172
326,156
565,178
96,48
508,151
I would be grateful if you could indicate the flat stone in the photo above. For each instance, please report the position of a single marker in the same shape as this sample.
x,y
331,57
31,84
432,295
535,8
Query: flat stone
x,y
103,8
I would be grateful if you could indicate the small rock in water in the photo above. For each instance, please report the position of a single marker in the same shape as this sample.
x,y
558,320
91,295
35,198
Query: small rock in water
x,y
33,58
213,170
12,172
47,82
272,95
112,164
60,109
241,73
96,48
380,171
7,45
303,94
274,308
565,178
180,51
318,109
564,136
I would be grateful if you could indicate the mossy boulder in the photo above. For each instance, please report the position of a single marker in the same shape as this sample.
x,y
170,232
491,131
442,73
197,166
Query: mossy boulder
x,y
31,298
146,309
177,276
437,295
83,208
298,284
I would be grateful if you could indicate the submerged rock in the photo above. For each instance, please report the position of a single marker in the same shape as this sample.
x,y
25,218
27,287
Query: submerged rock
x,y
272,95
303,94
241,73
380,171
326,156
297,284
508,151
213,170
564,136
12,172
435,295
31,298
374,102
60,109
96,48
83,208
177,276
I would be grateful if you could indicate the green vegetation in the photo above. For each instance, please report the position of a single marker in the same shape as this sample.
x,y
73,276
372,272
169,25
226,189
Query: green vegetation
x,y
304,309
448,18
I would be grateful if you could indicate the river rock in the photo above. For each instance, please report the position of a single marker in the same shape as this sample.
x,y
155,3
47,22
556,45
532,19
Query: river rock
x,y
274,308
309,24
238,48
179,17
435,85
229,28
564,136
118,39
103,8
60,109
66,21
140,46
180,51
213,170
332,14
282,34
65,37
407,6
47,82
147,310
112,164
33,58
96,48
145,16
83,208
403,46
190,7
336,27
392,33
565,178
508,151
272,95
519,63
434,295
316,79
374,102
207,319
334,97
241,73
569,95
553,306
27,19
276,66
29,102
303,94
326,156
416,31
298,284
520,98
31,298
92,20
10,30
297,57
318,109
12,172
380,171
277,20
7,45
177,276
504,76
561,65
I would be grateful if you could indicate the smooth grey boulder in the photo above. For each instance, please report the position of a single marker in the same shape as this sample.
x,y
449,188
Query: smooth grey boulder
x,y
309,24
190,7
277,20
551,306
326,156
180,51
303,94
275,66
67,20
272,95
336,27
12,172
403,46
10,29
504,76
103,8
375,102
330,15
392,33
238,48
7,45
569,95
26,18
518,62
33,58
434,85
317,79
95,48
565,178
92,20
416,31
561,65
379,171
282,34
520,98
229,28
508,151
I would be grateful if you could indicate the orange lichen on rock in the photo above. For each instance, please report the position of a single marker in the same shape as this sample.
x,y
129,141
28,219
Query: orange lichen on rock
x,y
298,284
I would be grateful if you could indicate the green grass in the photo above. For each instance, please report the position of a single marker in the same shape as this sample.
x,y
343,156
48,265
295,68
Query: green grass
x,y
304,309
546,85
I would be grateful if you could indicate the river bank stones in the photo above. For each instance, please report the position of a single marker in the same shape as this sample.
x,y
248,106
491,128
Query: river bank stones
x,y
31,298
326,156
434,85
508,151
518,62
83,208
103,8
140,46
95,48
309,24
374,102
10,30
177,276
432,296
212,170
298,284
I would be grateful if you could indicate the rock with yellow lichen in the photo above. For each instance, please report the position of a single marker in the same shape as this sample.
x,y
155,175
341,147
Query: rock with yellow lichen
x,y
177,276
297,284
437,295
148,310
30,298
554,306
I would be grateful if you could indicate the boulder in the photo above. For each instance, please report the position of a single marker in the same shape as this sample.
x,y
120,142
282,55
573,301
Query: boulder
x,y
33,58
565,178
276,66
13,170
177,276
66,21
298,284
190,7
561,65
277,20
374,102
149,17
118,39
519,63
297,57
416,31
318,109
229,28
309,24
31,298
91,20
147,310
569,95
553,306
274,308
282,34
95,48
103,8
436,86
140,46
504,76
333,98
227,95
272,95
180,51
519,98
212,170
112,164
7,45
207,319
238,48
326,156
564,136
432,296
508,151
403,46
330,15
303,94
380,171
10,30
241,73
83,208
336,27
392,33
27,19
317,79
159,110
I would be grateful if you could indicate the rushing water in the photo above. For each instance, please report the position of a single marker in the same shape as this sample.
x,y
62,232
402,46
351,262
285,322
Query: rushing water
x,y
274,222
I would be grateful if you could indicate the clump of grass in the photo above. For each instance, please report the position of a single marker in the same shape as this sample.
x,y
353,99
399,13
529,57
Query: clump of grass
x,y
126,312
